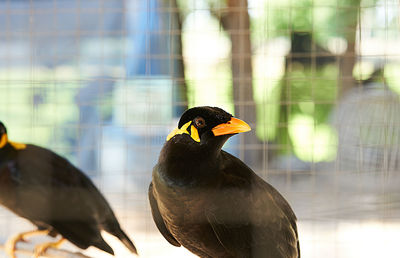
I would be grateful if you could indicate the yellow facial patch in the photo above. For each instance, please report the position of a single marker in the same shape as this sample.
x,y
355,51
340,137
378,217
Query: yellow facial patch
x,y
16,145
176,131
3,140
193,132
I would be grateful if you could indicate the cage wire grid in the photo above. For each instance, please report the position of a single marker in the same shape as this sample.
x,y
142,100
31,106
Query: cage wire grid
x,y
103,82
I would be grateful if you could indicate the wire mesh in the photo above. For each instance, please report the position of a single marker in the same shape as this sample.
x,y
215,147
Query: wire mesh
x,y
103,82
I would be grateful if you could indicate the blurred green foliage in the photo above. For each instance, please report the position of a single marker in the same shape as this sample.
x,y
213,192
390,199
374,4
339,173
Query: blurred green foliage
x,y
391,75
323,18
37,105
308,97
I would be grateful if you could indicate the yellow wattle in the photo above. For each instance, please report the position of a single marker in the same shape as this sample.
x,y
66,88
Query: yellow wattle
x,y
3,140
176,131
18,146
194,134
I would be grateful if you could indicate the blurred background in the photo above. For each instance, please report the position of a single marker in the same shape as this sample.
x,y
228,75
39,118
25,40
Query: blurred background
x,y
102,82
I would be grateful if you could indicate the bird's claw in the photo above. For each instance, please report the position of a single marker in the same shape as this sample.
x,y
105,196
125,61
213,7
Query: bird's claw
x,y
11,243
40,249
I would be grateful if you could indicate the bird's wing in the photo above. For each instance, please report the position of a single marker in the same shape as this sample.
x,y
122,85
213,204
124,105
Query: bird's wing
x,y
250,216
54,192
55,178
86,201
235,237
159,220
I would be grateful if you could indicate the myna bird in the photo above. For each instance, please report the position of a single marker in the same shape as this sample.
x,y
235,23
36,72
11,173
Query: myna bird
x,y
41,186
210,202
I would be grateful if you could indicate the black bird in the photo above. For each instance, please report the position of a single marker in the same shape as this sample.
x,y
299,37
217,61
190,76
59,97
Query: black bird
x,y
41,186
210,202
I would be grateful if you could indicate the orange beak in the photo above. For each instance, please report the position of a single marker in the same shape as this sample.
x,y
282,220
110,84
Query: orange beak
x,y
231,127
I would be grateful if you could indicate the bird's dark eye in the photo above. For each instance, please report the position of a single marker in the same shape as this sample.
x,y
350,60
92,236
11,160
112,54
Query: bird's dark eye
x,y
200,122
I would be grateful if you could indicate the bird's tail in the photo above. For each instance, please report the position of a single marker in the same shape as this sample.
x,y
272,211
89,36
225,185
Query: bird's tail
x,y
127,242
102,245
121,235
82,234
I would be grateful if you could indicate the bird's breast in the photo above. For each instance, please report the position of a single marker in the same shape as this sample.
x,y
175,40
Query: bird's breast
x,y
183,212
181,205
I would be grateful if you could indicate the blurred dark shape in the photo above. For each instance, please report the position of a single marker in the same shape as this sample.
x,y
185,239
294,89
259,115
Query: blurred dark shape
x,y
38,99
305,51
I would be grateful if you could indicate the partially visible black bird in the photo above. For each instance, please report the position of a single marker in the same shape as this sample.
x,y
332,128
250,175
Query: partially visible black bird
x,y
41,186
210,202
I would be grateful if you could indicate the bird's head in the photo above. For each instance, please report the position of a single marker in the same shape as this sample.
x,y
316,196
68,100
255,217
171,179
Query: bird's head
x,y
209,124
3,135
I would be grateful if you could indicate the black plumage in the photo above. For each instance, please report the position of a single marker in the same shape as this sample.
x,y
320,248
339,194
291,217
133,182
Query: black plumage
x,y
43,187
210,202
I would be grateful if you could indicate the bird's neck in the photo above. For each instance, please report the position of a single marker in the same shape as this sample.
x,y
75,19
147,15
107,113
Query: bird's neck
x,y
6,153
188,163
